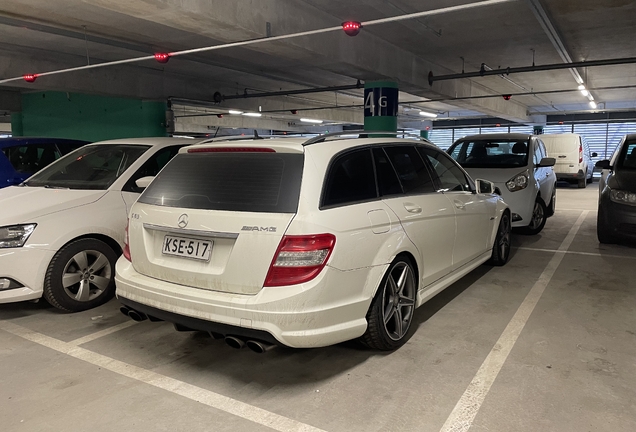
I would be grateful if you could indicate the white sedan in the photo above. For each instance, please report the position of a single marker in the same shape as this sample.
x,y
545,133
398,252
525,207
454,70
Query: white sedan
x,y
62,230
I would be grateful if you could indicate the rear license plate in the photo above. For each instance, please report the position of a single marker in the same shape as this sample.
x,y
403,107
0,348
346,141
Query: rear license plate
x,y
187,248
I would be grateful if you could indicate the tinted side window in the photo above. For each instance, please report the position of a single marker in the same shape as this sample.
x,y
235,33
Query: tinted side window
x,y
350,179
31,158
411,170
388,182
449,176
151,167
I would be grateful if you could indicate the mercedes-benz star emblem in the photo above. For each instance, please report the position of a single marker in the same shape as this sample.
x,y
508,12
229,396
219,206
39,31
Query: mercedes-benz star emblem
x,y
183,221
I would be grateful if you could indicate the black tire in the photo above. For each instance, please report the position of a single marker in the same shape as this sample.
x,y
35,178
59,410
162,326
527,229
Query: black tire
x,y
539,217
89,266
582,183
501,246
551,209
383,332
602,231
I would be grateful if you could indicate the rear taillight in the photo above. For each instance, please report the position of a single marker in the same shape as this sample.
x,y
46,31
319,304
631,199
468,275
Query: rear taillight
x,y
580,153
299,259
126,247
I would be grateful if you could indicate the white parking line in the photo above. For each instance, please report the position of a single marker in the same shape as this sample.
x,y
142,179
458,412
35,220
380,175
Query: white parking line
x,y
578,253
463,415
102,333
197,394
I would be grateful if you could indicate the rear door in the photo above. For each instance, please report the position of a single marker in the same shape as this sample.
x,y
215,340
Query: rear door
x,y
214,220
426,215
474,212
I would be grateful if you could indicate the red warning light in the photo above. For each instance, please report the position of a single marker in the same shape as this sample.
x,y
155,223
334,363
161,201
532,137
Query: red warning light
x,y
30,77
294,112
560,122
428,128
507,97
162,57
219,115
498,125
351,28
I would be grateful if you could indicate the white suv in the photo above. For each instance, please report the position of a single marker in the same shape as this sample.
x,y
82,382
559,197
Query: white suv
x,y
306,243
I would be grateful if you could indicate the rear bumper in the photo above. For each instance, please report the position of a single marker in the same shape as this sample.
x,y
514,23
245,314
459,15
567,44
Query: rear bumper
x,y
325,311
570,176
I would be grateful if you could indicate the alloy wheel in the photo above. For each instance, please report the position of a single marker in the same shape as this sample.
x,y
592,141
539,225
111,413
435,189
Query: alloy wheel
x,y
537,216
504,237
86,275
398,303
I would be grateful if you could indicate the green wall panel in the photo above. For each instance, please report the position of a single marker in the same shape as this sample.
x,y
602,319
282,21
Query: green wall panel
x,y
89,117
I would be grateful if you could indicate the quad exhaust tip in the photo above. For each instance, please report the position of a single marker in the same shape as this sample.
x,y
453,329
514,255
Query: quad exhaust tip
x,y
133,314
259,347
254,345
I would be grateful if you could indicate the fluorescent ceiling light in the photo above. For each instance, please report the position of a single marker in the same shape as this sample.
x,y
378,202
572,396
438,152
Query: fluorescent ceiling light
x,y
428,114
593,104
306,120
235,112
585,92
581,87
251,114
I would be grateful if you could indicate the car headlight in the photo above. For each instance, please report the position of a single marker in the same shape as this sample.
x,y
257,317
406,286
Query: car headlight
x,y
15,235
518,182
623,197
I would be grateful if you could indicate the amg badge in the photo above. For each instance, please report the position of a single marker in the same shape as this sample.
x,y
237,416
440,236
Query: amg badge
x,y
256,228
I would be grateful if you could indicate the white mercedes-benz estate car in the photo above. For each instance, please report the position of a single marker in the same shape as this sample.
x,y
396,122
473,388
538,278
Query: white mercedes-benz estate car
x,y
62,230
519,166
306,243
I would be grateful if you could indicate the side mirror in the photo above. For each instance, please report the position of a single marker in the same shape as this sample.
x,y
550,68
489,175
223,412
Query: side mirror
x,y
604,164
144,182
485,186
547,162
594,154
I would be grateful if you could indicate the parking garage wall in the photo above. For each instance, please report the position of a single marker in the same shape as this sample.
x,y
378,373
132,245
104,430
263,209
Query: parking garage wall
x,y
89,117
603,137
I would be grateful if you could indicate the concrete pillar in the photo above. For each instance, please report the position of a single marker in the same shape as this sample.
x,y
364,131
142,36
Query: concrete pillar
x,y
380,106
90,117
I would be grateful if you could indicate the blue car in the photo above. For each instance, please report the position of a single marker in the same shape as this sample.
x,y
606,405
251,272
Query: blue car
x,y
22,157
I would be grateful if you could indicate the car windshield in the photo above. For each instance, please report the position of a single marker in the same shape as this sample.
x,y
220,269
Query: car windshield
x,y
627,158
89,167
495,153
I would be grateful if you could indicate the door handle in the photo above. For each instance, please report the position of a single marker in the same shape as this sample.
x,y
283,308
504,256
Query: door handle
x,y
412,208
460,205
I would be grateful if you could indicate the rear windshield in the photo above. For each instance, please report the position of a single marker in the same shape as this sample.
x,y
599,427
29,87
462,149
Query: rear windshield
x,y
490,153
249,182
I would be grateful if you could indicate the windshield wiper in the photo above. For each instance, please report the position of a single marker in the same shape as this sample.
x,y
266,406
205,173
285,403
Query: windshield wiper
x,y
54,187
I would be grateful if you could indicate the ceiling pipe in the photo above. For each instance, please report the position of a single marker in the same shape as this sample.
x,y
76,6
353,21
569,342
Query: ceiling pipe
x,y
507,71
246,95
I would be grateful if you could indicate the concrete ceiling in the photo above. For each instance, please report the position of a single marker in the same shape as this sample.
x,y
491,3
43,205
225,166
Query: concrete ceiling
x,y
39,35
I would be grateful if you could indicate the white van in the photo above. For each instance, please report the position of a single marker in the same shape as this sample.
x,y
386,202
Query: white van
x,y
573,159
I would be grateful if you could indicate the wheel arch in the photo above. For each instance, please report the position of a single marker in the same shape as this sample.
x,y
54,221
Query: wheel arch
x,y
111,242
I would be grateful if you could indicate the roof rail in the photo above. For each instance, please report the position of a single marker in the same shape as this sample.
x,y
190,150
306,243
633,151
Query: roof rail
x,y
361,134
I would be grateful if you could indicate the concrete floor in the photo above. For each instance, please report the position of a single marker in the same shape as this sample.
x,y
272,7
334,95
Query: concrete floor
x,y
571,368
